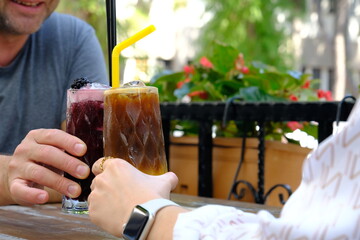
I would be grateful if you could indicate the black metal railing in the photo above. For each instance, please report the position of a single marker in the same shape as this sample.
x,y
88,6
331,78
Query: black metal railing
x,y
324,113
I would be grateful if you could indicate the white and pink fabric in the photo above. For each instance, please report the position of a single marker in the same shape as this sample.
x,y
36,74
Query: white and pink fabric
x,y
325,206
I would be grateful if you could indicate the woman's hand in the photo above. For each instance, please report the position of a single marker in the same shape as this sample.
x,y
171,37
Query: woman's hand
x,y
119,188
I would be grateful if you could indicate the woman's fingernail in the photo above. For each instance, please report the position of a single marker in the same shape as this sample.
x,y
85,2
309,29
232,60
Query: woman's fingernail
x,y
80,148
73,189
82,170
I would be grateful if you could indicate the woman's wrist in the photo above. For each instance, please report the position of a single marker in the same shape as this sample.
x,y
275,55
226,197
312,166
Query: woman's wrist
x,y
164,222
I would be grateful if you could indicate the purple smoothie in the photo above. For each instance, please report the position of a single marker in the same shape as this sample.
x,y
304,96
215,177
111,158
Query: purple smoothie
x,y
84,119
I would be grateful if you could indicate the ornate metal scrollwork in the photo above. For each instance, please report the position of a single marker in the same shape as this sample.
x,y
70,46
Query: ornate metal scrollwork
x,y
258,194
241,193
281,196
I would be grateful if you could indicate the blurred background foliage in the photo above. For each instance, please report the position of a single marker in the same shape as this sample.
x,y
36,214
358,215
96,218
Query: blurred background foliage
x,y
251,26
259,29
93,12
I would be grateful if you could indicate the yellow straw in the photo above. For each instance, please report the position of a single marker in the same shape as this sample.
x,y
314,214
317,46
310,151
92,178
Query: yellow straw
x,y
121,46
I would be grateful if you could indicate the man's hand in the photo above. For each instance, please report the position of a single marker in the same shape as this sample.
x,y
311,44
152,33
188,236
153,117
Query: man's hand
x,y
29,169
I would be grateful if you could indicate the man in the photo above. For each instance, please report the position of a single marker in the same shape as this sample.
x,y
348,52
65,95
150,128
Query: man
x,y
41,53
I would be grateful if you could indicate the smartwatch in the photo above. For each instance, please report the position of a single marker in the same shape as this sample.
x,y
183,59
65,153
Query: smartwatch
x,y
142,218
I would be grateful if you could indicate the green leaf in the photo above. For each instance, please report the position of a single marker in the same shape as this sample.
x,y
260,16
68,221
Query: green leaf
x,y
255,94
222,57
229,88
311,129
166,85
307,95
214,94
169,78
295,74
184,90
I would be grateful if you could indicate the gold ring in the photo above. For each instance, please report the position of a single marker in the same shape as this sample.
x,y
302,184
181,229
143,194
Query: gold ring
x,y
102,163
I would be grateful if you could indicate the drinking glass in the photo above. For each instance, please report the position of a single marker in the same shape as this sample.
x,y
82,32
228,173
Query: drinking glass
x,y
84,119
133,128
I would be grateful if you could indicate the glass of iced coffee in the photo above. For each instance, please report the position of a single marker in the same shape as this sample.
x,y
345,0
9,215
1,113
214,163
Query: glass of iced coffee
x,y
84,119
133,128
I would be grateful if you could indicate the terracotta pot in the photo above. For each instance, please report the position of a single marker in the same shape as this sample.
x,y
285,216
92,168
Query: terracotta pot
x,y
283,165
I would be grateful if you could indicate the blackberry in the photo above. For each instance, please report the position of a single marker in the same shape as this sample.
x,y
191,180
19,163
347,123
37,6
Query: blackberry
x,y
79,83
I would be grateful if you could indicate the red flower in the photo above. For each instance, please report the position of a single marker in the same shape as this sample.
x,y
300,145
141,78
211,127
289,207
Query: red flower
x,y
324,94
245,70
328,96
206,63
293,98
200,94
179,84
320,93
306,84
294,125
188,69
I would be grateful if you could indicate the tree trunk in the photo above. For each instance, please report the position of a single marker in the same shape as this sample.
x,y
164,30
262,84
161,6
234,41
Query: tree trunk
x,y
340,42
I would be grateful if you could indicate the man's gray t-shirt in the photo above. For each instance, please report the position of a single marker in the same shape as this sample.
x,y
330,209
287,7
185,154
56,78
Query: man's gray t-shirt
x,y
33,87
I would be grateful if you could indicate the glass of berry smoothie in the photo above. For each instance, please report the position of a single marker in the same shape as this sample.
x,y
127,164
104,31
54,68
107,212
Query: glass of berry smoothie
x,y
84,119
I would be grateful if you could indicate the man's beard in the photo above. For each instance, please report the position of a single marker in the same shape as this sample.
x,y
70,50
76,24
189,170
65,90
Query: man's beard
x,y
8,27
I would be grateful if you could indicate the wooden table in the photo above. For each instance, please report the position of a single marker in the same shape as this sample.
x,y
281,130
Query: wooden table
x,y
43,222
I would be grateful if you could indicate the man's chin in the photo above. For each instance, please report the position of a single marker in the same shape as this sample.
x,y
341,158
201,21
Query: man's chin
x,y
21,26
24,31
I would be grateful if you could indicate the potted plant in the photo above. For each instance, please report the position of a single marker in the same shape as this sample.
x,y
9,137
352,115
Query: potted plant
x,y
222,75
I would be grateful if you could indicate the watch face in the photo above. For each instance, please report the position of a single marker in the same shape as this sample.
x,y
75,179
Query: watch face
x,y
136,223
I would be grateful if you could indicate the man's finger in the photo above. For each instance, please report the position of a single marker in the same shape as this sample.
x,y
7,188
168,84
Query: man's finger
x,y
59,139
43,176
59,159
25,195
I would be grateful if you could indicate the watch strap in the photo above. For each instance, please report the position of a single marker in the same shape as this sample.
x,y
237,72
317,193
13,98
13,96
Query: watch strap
x,y
153,206
142,226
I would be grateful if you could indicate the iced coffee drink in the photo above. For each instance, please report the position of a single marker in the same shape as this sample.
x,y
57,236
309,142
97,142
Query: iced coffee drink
x,y
132,127
85,113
